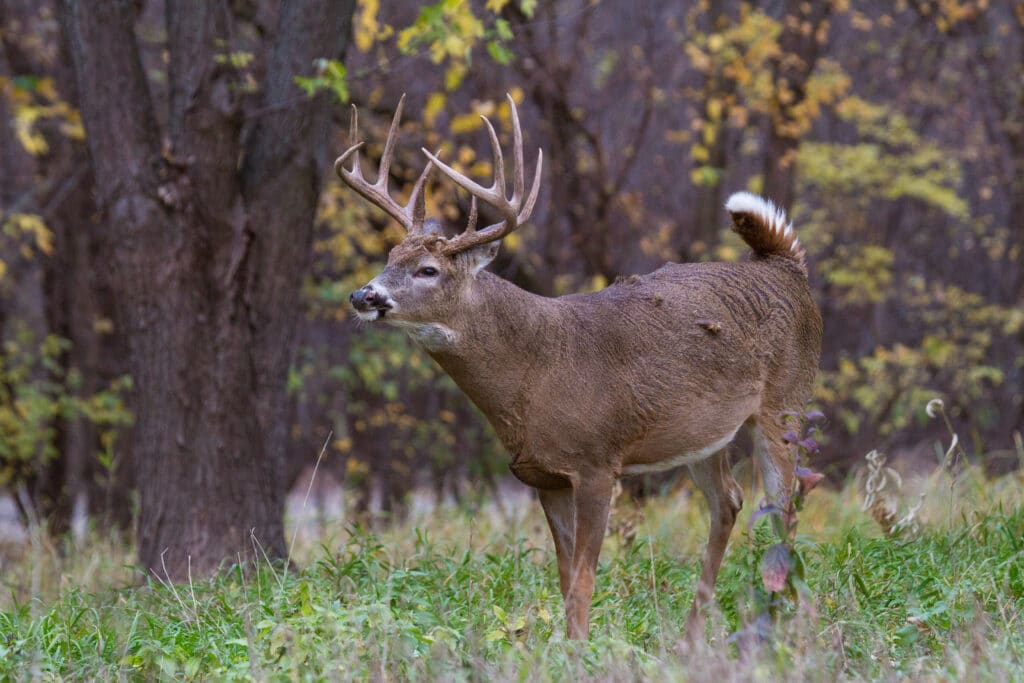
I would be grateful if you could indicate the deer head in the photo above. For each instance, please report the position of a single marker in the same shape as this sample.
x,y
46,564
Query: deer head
x,y
427,274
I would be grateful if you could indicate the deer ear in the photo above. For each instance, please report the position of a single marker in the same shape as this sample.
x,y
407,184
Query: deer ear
x,y
480,256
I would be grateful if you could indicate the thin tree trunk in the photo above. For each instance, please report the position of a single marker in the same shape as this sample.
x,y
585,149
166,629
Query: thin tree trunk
x,y
802,23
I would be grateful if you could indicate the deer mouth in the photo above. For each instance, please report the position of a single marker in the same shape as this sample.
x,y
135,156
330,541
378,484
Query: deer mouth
x,y
374,312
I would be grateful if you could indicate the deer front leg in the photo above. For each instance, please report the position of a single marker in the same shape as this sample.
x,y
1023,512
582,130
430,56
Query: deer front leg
x,y
561,516
724,496
591,500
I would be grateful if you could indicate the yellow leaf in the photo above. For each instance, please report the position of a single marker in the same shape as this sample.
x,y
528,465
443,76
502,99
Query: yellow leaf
x,y
726,253
33,142
481,169
512,241
355,466
677,136
46,88
367,26
434,106
103,326
455,46
714,108
710,135
31,225
406,38
454,75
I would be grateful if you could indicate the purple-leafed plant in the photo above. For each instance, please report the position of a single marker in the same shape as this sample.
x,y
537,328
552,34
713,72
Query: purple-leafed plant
x,y
781,568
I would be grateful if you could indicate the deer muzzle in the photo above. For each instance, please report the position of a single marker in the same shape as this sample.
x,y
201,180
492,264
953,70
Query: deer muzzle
x,y
370,302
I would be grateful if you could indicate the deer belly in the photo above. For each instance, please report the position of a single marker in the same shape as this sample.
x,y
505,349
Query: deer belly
x,y
674,458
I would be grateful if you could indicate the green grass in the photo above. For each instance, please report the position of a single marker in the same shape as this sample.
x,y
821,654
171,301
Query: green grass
x,y
462,596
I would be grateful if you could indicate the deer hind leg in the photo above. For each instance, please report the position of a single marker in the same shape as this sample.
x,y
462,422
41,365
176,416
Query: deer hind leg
x,y
725,498
561,516
774,460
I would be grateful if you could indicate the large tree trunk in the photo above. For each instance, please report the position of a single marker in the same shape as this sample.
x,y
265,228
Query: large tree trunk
x,y
207,261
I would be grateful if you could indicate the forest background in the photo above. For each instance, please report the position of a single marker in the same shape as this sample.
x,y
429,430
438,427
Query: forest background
x,y
176,255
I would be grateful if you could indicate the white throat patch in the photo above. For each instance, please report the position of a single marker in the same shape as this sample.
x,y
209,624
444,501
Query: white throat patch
x,y
368,316
433,336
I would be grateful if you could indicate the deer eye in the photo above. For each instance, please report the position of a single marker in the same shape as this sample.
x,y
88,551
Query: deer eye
x,y
427,272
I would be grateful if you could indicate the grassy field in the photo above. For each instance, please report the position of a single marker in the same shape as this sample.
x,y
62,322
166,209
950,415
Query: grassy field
x,y
458,595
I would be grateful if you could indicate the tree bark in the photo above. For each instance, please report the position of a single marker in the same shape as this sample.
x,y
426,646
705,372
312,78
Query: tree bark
x,y
800,46
207,261
75,295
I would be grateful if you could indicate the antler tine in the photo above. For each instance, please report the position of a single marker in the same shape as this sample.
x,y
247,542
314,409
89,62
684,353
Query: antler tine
x,y
488,194
411,215
339,163
389,147
524,215
353,136
471,223
417,197
517,151
499,160
353,151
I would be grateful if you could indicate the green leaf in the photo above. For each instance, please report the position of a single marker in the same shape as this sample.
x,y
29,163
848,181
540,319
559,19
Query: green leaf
x,y
499,53
331,75
503,29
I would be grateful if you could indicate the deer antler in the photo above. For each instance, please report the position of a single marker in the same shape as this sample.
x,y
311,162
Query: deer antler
x,y
411,215
515,211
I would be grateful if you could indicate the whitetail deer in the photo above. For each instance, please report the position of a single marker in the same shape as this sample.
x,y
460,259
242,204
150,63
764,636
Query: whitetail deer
x,y
651,373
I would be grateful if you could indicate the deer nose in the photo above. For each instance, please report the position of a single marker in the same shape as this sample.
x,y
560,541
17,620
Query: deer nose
x,y
363,298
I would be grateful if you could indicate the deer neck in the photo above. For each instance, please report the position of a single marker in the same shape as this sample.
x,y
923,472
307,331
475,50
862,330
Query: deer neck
x,y
501,340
